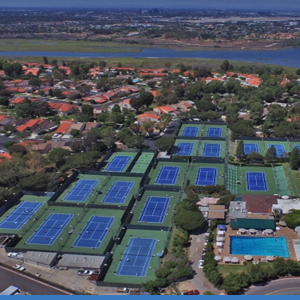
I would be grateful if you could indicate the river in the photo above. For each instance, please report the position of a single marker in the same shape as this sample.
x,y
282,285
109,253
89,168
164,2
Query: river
x,y
287,57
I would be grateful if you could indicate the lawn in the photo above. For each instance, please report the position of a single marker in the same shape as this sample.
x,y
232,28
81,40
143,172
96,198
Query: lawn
x,y
226,269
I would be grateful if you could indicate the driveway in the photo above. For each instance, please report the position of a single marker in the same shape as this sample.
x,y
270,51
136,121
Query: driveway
x,y
199,281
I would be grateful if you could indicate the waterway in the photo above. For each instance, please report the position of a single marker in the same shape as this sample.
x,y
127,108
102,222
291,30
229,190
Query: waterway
x,y
287,57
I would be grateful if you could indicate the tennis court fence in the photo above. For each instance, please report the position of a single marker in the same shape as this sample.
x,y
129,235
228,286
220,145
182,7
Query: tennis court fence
x,y
11,202
163,188
208,160
63,187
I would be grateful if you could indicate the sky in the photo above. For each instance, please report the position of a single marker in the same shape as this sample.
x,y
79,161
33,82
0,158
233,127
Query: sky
x,y
236,4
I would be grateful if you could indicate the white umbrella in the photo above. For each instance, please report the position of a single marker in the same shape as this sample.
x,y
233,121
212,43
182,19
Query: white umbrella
x,y
270,258
252,230
248,257
227,259
219,244
220,232
242,230
234,260
220,239
269,231
218,258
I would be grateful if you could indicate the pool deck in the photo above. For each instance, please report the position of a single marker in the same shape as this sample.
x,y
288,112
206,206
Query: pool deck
x,y
289,234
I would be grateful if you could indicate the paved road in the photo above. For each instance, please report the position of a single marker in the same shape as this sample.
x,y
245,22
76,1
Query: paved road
x,y
27,284
199,280
285,286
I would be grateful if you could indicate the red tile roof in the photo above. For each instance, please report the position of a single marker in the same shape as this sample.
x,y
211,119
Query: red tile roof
x,y
148,116
63,127
259,203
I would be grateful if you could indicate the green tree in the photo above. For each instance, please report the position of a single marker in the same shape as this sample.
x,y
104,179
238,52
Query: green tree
x,y
87,110
294,158
59,156
45,60
271,155
188,220
35,82
280,266
240,151
292,219
235,282
4,101
164,143
225,66
116,109
57,93
136,103
254,156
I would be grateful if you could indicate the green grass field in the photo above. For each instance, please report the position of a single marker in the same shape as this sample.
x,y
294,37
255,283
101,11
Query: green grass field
x,y
66,46
155,172
105,183
220,172
226,269
138,208
64,242
160,236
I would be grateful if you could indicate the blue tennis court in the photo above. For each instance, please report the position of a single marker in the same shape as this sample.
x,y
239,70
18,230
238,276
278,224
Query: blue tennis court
x,y
118,192
81,190
20,215
136,259
155,210
118,164
256,181
167,175
206,176
251,148
280,150
211,150
94,232
50,230
214,132
184,148
190,131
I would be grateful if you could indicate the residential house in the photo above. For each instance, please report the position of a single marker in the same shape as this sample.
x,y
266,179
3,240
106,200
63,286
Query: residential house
x,y
147,117
42,148
64,126
89,126
164,110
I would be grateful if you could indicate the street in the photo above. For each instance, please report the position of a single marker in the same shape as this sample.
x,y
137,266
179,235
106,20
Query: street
x,y
284,286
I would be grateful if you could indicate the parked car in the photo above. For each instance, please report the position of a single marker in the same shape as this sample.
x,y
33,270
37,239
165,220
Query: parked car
x,y
201,263
192,292
12,254
85,272
19,267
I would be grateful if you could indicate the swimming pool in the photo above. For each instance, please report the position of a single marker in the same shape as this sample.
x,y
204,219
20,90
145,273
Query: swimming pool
x,y
259,246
